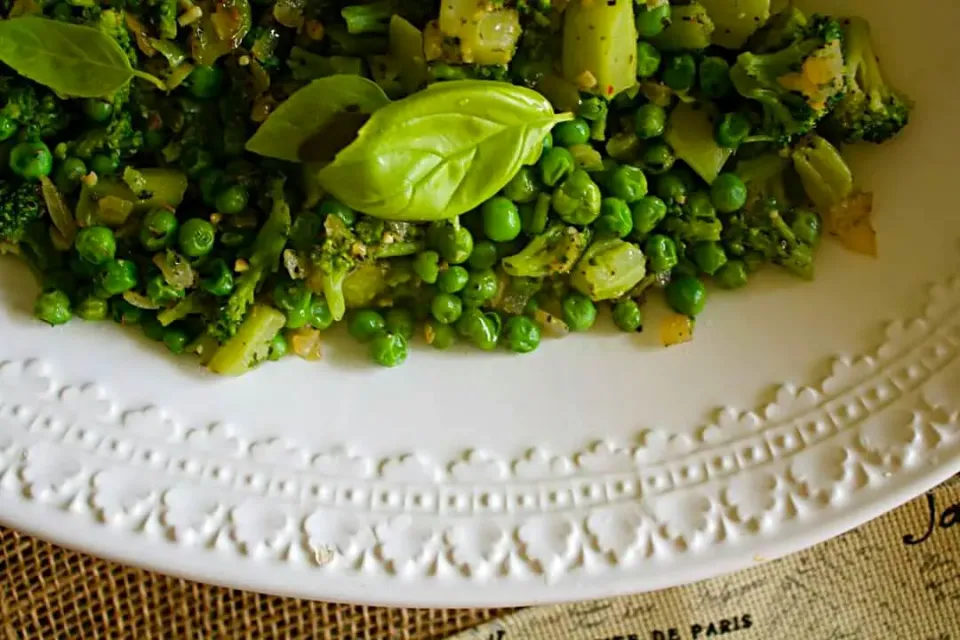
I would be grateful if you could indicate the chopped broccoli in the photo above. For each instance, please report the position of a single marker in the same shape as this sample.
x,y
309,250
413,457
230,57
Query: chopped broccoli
x,y
826,178
334,260
264,261
555,251
165,14
782,30
20,205
870,110
35,110
369,18
121,137
250,345
797,85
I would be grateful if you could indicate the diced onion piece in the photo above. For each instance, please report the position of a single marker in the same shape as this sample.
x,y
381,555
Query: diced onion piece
x,y
676,329
139,300
176,270
114,210
305,342
59,213
486,35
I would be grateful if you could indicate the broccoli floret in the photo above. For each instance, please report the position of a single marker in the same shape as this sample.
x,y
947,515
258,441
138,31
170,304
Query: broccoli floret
x,y
826,177
35,110
797,85
20,205
251,343
786,28
762,229
870,110
555,251
334,260
264,262
165,14
120,137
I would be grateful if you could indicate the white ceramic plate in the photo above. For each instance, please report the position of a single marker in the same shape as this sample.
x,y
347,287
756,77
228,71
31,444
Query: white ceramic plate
x,y
599,465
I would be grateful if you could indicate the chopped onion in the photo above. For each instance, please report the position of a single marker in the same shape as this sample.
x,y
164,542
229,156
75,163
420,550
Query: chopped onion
x,y
676,329
139,300
175,269
551,323
140,33
295,264
306,343
60,215
114,210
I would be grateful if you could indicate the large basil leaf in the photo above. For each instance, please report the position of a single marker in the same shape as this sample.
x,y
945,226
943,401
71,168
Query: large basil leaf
x,y
305,114
71,59
442,151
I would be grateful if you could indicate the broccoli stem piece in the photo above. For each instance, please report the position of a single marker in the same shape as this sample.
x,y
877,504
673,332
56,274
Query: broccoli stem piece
x,y
334,262
251,343
368,18
609,269
826,178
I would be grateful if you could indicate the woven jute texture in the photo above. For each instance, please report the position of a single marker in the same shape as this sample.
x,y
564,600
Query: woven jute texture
x,y
49,592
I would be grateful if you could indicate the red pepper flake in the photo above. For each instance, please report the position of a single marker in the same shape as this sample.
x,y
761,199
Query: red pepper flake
x,y
609,89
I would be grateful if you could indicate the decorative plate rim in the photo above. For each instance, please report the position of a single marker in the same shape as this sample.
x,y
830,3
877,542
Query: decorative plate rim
x,y
814,463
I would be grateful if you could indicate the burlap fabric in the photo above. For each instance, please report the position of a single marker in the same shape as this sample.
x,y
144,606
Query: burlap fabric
x,y
867,584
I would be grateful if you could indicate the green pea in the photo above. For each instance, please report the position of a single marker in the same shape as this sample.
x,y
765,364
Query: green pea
x,y
154,139
808,227
671,187
715,78
104,164
700,205
523,187
53,307
446,308
92,309
579,312
728,193
176,340
427,266
218,280
73,169
366,324
615,218
279,347
577,200
647,214
232,200
440,336
593,108
661,253
484,256
294,300
96,245
196,238
648,60
453,279
680,72
555,165
628,183
658,158
481,286
521,334
31,160
501,219
152,328
304,234
627,315
479,328
235,238
650,121
161,292
455,244
320,315
8,128
686,295
652,22
731,130
732,275
571,132
97,110
205,81
400,321
118,276
125,313
194,161
158,230
389,349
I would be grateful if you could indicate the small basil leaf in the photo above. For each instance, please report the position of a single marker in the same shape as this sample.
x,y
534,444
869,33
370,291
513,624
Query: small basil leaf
x,y
71,59
308,111
441,152
334,137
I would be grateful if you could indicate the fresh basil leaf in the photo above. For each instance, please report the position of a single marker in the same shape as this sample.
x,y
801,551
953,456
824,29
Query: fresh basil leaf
x,y
441,152
71,59
304,114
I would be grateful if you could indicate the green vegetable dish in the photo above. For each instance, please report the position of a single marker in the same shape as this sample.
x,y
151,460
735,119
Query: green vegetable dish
x,y
238,178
